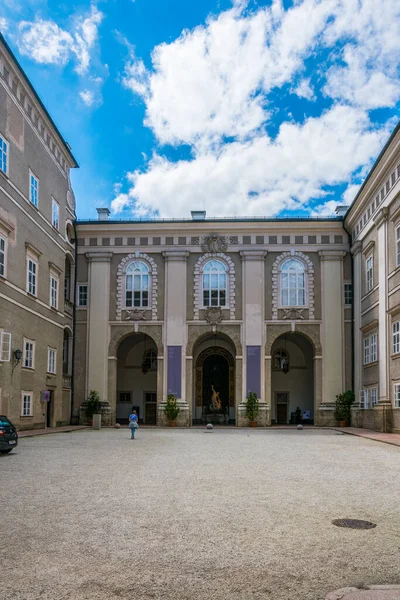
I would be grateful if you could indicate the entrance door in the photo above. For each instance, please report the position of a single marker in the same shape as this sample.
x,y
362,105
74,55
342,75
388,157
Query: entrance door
x,y
48,409
282,401
150,408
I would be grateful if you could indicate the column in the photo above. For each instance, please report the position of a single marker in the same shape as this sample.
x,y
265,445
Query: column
x,y
175,331
98,322
253,332
357,289
332,330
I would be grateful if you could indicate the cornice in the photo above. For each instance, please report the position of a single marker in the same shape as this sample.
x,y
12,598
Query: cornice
x,y
326,255
55,268
356,248
381,216
370,326
369,247
99,256
253,254
6,226
33,249
179,255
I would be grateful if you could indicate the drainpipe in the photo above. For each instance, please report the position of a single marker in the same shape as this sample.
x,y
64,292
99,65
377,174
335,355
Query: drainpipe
x,y
73,325
352,308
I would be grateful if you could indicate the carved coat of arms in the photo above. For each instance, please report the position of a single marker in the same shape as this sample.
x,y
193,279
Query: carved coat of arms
x,y
213,315
214,243
135,315
293,314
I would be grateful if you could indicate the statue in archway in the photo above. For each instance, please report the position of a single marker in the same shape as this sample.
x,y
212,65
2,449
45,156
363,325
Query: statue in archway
x,y
216,403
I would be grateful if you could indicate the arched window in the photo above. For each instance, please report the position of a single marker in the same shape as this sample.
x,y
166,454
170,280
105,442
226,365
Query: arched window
x,y
293,283
214,283
137,285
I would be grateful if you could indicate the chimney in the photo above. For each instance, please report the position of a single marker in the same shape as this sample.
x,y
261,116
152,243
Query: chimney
x,y
103,214
341,210
198,215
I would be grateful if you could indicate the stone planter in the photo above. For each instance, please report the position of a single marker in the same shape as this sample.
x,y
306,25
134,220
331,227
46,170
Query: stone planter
x,y
96,421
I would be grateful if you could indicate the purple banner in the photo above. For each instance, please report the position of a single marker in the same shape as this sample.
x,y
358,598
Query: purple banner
x,y
174,372
254,370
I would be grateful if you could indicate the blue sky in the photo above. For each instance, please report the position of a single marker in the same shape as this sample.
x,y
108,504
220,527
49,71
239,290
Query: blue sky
x,y
241,108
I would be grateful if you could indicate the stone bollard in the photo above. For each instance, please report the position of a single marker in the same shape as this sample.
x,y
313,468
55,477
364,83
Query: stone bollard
x,y
96,421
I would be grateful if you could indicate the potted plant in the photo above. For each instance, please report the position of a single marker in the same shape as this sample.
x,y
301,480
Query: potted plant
x,y
171,410
342,408
93,409
252,408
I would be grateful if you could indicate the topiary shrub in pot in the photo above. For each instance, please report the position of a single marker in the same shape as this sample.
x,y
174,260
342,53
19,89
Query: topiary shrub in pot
x,y
171,410
252,408
343,404
93,406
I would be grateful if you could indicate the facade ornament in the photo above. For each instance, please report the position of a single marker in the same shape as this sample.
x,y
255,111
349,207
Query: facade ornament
x,y
213,315
293,314
135,315
214,243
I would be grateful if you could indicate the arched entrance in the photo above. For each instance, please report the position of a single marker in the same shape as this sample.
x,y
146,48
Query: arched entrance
x,y
292,380
137,379
214,383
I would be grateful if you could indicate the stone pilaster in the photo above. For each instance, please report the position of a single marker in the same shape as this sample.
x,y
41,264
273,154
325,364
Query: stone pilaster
x,y
357,293
381,224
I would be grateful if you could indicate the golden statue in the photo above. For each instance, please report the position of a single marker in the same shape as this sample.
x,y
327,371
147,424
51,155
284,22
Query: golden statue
x,y
215,400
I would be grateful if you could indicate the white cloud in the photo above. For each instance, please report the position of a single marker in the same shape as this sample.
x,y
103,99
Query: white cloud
x,y
304,90
87,97
3,24
45,42
328,209
258,176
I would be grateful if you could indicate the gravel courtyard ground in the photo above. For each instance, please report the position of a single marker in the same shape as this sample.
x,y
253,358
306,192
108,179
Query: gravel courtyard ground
x,y
187,514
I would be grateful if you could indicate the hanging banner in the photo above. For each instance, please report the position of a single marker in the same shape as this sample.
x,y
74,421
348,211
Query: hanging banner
x,y
45,396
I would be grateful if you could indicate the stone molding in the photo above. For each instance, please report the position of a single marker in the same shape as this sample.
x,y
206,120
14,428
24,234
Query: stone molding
x,y
356,248
309,331
198,304
197,332
253,254
381,216
275,281
118,334
331,254
99,256
175,255
120,282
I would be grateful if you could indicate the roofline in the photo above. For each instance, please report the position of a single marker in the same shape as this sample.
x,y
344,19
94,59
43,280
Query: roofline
x,y
66,145
374,166
210,220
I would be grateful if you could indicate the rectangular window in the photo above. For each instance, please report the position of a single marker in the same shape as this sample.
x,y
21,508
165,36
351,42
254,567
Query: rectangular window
x,y
366,399
348,294
396,337
3,155
53,291
26,408
55,214
32,274
2,257
51,360
33,189
29,354
5,346
398,246
397,395
370,273
362,399
125,397
374,397
371,349
82,295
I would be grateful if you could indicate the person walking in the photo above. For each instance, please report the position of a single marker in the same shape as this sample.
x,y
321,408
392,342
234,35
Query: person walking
x,y
133,423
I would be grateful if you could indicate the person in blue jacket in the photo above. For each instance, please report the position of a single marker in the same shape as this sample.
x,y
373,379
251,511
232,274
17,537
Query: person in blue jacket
x,y
133,423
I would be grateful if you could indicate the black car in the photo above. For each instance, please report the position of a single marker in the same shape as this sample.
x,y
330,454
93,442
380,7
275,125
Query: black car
x,y
8,435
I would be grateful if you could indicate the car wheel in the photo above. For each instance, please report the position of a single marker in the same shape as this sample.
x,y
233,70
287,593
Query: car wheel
x,y
6,451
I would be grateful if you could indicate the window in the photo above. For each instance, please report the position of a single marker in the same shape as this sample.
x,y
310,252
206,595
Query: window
x,y
33,189
374,397
29,354
82,295
55,214
369,265
51,360
292,284
32,274
397,395
2,257
348,294
26,408
125,397
396,337
3,155
371,349
5,346
279,356
137,285
398,246
150,360
214,283
53,291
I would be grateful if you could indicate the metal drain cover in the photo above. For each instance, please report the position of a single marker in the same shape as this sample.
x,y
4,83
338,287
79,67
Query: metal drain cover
x,y
353,524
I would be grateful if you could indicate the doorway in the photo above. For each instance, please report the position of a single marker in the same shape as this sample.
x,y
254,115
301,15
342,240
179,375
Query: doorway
x,y
215,387
282,402
150,408
48,408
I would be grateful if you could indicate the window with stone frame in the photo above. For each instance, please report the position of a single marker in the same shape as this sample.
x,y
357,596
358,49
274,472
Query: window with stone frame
x,y
3,155
214,284
370,348
369,272
397,395
398,246
137,285
292,283
3,248
396,337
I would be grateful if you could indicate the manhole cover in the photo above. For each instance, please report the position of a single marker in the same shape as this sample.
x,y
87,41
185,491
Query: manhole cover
x,y
353,524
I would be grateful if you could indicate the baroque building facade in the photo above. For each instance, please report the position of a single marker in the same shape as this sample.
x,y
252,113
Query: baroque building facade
x,y
210,310
37,256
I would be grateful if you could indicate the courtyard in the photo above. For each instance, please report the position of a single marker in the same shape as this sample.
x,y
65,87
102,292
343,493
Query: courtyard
x,y
187,514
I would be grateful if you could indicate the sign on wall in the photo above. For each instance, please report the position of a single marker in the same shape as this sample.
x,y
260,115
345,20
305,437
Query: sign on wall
x,y
253,382
174,371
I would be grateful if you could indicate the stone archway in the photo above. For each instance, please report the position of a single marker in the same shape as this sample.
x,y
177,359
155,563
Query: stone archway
x,y
311,332
214,373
